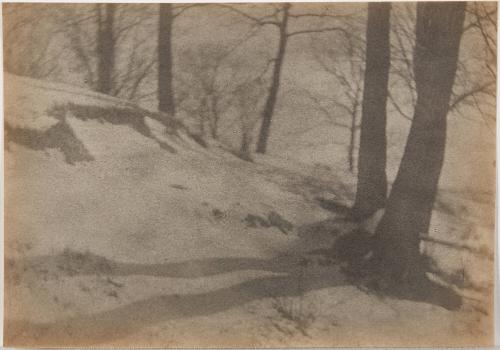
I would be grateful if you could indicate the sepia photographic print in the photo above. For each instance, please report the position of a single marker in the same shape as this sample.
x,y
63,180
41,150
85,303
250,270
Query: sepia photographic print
x,y
249,175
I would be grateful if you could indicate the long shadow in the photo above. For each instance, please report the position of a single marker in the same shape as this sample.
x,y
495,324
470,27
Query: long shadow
x,y
59,136
74,263
107,326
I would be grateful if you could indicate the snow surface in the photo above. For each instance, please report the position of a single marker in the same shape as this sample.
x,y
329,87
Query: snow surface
x,y
142,245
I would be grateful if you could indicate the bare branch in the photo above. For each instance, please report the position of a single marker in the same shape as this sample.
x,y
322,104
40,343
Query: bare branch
x,y
120,31
256,20
325,111
322,30
183,8
266,67
320,15
477,90
397,107
139,78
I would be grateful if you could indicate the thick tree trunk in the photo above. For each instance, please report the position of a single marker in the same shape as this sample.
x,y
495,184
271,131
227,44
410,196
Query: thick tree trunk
x,y
267,114
165,61
372,180
105,47
410,204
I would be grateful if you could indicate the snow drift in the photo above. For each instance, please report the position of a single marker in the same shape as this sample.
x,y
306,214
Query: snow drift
x,y
123,230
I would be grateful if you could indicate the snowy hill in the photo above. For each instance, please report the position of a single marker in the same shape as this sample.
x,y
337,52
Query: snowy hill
x,y
122,231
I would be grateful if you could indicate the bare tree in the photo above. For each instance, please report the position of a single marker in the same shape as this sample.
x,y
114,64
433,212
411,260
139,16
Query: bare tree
x,y
483,20
208,78
166,16
248,96
439,28
135,68
268,111
476,73
206,83
279,18
342,57
105,47
165,75
28,48
372,179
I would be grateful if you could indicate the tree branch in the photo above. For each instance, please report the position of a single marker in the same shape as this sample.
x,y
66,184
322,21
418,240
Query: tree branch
x,y
183,8
256,20
318,15
323,30
398,109
478,89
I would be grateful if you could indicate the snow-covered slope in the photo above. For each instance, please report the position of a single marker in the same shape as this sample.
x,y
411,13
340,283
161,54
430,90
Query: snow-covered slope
x,y
122,231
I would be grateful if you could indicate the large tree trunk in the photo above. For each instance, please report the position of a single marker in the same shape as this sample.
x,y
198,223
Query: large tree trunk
x,y
105,47
372,180
267,114
165,62
410,204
